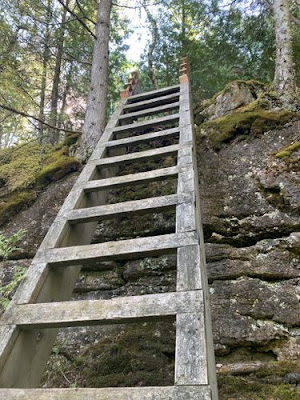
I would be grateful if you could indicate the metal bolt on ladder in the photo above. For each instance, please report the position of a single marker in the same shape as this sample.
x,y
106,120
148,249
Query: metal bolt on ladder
x,y
41,304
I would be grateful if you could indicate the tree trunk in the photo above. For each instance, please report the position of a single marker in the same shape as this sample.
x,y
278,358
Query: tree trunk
x,y
64,96
54,133
183,29
95,116
46,53
284,80
154,33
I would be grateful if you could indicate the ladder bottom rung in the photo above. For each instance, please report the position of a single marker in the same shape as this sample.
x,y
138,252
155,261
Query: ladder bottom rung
x,y
136,393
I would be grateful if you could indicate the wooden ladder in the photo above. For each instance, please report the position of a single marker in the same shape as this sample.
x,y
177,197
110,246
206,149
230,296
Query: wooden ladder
x,y
40,306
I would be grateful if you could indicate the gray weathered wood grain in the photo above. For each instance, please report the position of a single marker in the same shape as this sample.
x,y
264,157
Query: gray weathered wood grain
x,y
135,393
99,312
190,353
137,178
146,137
140,247
141,155
153,204
161,121
157,101
153,93
149,111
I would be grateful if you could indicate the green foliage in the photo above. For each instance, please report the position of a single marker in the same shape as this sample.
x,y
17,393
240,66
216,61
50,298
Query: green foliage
x,y
8,244
7,290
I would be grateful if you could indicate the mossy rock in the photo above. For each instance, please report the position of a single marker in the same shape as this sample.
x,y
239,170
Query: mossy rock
x,y
245,122
57,170
240,388
26,169
141,355
14,203
287,151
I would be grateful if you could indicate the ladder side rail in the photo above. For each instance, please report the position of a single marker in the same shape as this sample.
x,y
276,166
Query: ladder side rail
x,y
190,358
189,130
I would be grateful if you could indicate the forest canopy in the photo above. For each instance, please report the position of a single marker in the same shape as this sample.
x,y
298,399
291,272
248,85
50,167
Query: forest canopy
x,y
46,53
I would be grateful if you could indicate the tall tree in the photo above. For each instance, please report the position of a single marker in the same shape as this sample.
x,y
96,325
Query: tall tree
x,y
284,80
95,117
54,133
154,39
46,55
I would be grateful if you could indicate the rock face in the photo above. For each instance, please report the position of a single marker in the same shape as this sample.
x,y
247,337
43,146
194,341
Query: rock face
x,y
250,211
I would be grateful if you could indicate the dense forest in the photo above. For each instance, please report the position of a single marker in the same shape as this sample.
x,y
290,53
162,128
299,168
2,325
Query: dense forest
x,y
47,47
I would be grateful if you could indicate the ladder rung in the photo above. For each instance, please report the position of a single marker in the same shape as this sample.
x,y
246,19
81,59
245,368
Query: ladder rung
x,y
149,111
141,105
95,312
116,393
146,137
153,93
107,211
146,124
131,248
153,153
138,178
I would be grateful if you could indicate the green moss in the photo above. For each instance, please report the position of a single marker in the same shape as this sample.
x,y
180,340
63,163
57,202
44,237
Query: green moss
x,y
278,368
141,355
286,152
244,389
26,169
244,122
57,169
15,202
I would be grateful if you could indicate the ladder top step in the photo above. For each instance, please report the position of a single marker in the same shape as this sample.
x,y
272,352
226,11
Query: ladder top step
x,y
142,138
96,312
149,111
116,393
141,105
132,248
109,210
138,178
153,93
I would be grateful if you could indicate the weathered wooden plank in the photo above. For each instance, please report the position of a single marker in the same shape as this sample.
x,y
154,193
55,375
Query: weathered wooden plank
x,y
185,154
185,217
149,111
117,393
157,101
188,268
147,137
137,178
8,336
190,352
186,255
186,180
99,312
123,248
153,93
146,124
141,155
113,210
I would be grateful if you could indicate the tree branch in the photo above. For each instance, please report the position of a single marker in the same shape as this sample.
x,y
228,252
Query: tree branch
x,y
78,19
83,13
13,110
